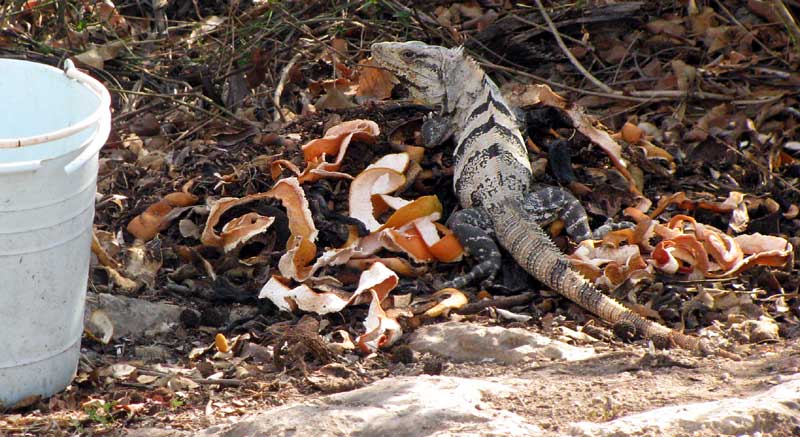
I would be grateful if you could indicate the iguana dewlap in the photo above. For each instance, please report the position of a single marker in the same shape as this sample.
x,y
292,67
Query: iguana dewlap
x,y
494,182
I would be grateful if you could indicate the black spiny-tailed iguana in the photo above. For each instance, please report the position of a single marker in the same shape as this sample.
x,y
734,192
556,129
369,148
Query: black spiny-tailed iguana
x,y
494,182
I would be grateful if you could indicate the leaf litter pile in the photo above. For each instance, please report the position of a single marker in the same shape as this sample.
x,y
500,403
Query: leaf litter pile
x,y
264,179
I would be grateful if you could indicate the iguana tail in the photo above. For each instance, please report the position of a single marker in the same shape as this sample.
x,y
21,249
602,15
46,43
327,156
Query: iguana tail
x,y
533,249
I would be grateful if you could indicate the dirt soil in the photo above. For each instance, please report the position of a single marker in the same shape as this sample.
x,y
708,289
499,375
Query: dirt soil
x,y
209,96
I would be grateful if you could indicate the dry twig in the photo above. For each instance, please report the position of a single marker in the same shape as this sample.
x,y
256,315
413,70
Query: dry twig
x,y
276,97
788,19
569,54
202,381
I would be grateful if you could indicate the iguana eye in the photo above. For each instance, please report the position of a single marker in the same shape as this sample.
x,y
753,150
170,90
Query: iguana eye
x,y
408,54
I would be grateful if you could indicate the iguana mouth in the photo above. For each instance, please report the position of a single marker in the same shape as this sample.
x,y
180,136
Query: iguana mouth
x,y
404,87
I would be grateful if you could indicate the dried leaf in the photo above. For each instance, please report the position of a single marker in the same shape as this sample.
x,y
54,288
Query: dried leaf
x,y
99,327
121,370
108,15
684,73
375,83
716,117
102,255
666,27
527,95
334,98
585,125
97,55
141,264
520,95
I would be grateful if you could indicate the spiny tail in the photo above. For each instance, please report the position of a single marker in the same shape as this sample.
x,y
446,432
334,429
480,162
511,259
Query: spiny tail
x,y
533,249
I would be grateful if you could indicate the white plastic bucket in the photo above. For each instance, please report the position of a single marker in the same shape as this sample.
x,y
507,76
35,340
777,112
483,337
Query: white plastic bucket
x,y
52,125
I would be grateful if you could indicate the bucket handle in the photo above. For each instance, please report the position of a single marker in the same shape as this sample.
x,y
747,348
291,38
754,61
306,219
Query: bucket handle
x,y
94,86
98,141
20,167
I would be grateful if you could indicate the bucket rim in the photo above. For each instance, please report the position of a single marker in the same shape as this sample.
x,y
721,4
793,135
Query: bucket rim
x,y
84,79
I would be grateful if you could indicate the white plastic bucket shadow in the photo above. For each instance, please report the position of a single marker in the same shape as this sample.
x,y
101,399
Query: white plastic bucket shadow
x,y
52,126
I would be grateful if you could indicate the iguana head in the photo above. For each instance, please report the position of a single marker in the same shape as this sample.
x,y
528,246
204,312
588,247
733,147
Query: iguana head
x,y
425,69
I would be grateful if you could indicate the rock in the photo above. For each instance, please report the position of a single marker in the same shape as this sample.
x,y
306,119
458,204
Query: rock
x,y
190,318
763,329
154,432
407,406
214,316
335,378
134,317
156,353
772,412
466,342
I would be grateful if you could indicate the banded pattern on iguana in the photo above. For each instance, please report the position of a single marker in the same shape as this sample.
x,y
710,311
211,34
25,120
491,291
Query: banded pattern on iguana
x,y
494,183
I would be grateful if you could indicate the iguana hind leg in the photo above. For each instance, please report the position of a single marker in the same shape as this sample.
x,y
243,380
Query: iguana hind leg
x,y
549,203
474,230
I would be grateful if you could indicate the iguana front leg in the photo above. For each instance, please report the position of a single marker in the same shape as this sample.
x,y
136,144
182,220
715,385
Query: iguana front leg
x,y
549,203
436,129
474,230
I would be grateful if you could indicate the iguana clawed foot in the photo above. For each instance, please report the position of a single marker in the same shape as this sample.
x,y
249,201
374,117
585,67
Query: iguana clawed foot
x,y
474,230
625,330
436,129
610,226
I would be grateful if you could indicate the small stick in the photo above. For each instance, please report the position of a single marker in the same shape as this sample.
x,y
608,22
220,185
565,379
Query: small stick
x,y
497,302
201,381
635,96
540,27
276,97
758,41
569,54
788,19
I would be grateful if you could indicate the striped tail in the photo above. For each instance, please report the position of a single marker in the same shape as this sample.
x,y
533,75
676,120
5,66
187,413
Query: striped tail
x,y
533,249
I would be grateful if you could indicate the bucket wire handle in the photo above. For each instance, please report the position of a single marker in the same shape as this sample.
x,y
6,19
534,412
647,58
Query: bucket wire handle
x,y
98,141
104,122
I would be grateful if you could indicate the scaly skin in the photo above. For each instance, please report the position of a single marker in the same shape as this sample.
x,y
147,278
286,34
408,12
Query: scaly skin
x,y
494,183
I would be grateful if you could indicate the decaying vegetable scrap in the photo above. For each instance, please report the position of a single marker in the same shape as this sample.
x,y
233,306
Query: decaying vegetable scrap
x,y
411,229
159,215
333,144
684,247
